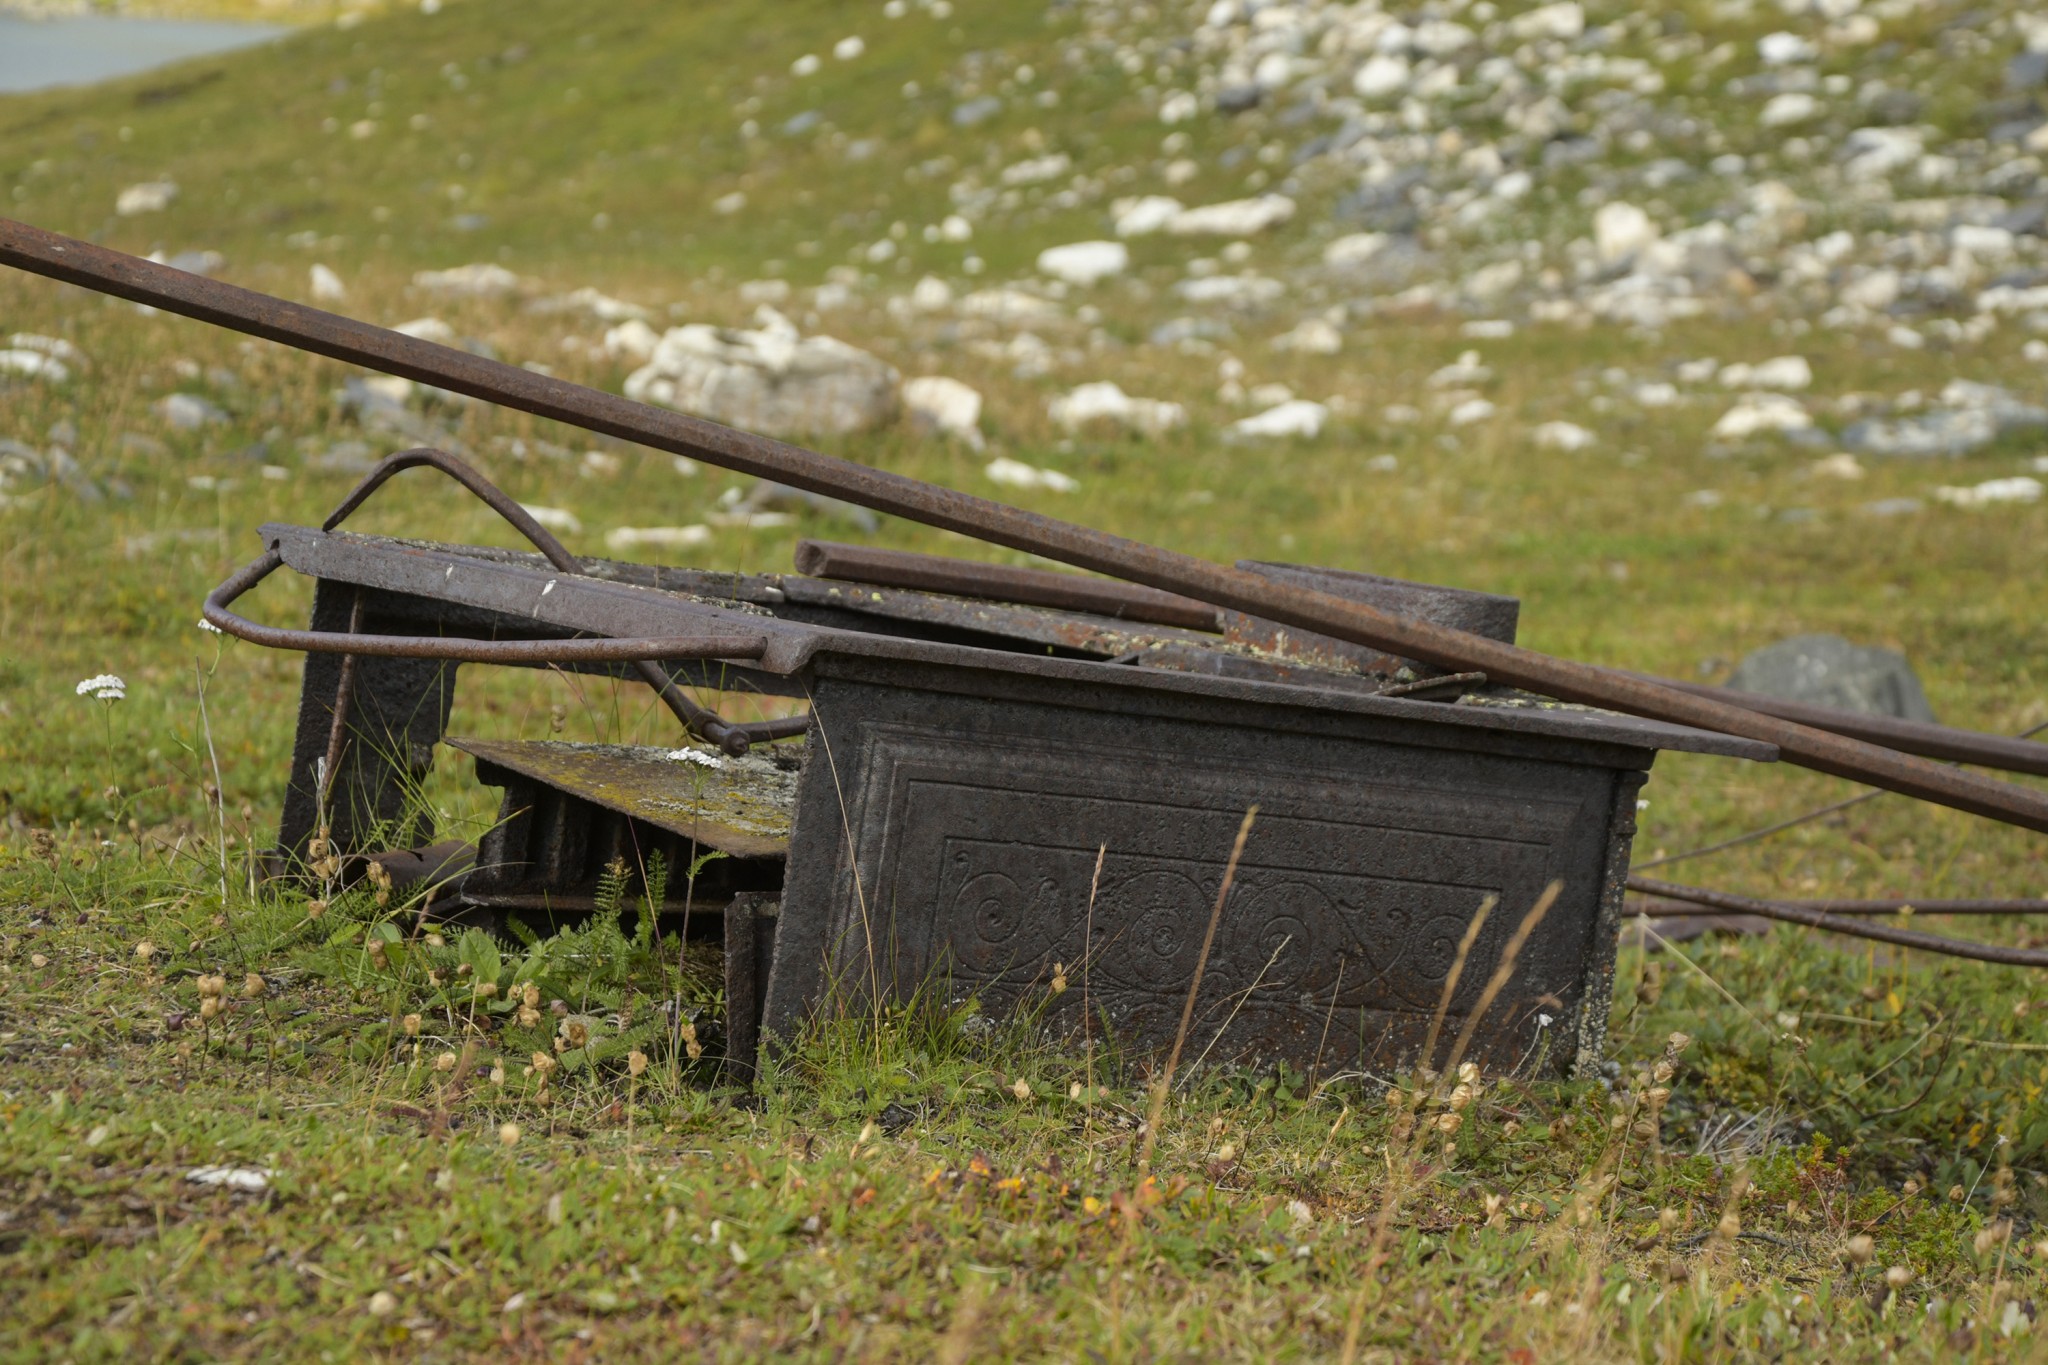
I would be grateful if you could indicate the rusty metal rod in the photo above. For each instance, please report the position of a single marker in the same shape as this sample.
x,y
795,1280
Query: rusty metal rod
x,y
457,648
1821,919
699,720
1001,583
1656,909
81,263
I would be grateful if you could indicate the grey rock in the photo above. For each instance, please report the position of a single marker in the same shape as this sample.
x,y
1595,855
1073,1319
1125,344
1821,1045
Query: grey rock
x,y
1827,670
1973,417
1895,108
811,118
1237,99
976,111
2028,71
190,412
775,497
2025,219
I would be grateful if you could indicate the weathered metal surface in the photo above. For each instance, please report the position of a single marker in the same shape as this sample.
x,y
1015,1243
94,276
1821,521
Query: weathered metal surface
x,y
1303,608
741,806
954,834
1834,923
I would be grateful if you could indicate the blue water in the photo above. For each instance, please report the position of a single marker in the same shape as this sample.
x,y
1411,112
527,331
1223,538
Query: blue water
x,y
38,53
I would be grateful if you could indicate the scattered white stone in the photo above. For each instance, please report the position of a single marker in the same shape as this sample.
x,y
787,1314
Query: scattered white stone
x,y
625,539
1355,248
189,412
57,348
1297,417
29,364
1487,329
1567,436
1840,465
703,758
557,519
1017,474
807,65
481,280
1466,370
1038,169
152,196
1236,291
1991,492
597,304
1234,218
1471,411
1311,336
931,295
1561,22
1105,401
1003,304
1383,74
633,340
764,291
726,205
1085,263
846,49
1621,231
428,329
247,1179
1178,107
326,285
954,228
946,406
1144,215
1784,49
1762,414
1791,107
1780,372
770,379
1871,153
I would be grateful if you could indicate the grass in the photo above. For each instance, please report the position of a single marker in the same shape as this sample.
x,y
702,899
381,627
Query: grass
x,y
891,1191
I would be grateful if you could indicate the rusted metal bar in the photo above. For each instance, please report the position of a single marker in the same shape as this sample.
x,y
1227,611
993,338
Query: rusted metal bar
x,y
1002,583
1822,919
698,720
1656,909
455,647
76,262
2003,752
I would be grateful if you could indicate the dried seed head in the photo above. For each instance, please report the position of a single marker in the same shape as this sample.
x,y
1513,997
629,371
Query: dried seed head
x,y
316,847
1914,1184
636,1062
530,993
1663,1072
1658,1096
1991,1236
508,1134
145,950
253,985
486,990
1227,1152
383,1304
1021,1088
445,1062
1677,1043
1859,1249
1449,1123
497,1073
1898,1277
411,1025
315,909
376,951
543,1064
1493,1203
1468,1073
209,1006
1059,983
1511,1127
212,985
1729,1228
1957,1194
559,1008
1667,1219
529,1017
1461,1098
434,940
575,1032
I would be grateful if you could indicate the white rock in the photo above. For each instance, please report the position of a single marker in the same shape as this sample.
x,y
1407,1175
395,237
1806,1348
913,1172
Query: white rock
x,y
1870,153
428,329
152,196
1298,417
1782,111
1038,169
1840,465
1234,218
806,65
188,411
1440,37
247,1179
1311,336
326,285
1780,372
633,340
481,280
1003,304
1563,22
946,406
1355,248
1381,75
764,291
1982,242
1490,282
1783,49
1470,411
1237,291
1875,291
1084,263
771,379
931,295
1564,436
33,365
1465,371
1620,231
726,205
1761,414
56,348
1178,107
955,229
1143,215
846,49
1017,474
557,519
623,539
1513,187
1105,401
2019,488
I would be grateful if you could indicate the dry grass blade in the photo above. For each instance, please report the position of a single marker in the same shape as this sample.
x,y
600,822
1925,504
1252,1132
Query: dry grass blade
x,y
1187,1011
1504,972
1443,1004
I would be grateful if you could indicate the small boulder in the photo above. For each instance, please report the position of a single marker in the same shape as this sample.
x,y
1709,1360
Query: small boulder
x,y
1084,263
945,406
1104,401
1827,670
769,379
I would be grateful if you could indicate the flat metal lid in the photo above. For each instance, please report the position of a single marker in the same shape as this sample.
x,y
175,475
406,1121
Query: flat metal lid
x,y
741,806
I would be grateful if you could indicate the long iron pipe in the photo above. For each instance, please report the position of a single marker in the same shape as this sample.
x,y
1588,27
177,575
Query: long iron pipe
x,y
67,259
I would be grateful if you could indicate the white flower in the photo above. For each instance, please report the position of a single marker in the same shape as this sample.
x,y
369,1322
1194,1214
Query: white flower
x,y
209,626
1543,1021
105,687
702,756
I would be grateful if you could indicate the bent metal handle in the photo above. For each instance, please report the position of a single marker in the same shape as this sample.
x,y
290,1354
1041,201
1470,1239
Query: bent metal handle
x,y
458,648
225,305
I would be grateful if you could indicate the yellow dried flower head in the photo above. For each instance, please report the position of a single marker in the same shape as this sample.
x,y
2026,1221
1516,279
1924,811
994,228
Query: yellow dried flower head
x,y
445,1062
486,990
1677,1043
212,986
543,1064
530,993
1021,1088
411,1025
575,1031
1461,1098
1898,1277
1449,1123
1729,1228
145,950
508,1134
253,985
1468,1073
383,1304
1859,1249
315,909
636,1062
209,1006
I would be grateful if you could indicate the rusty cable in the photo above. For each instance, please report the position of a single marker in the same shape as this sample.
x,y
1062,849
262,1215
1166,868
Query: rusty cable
x,y
1660,909
81,263
1822,919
